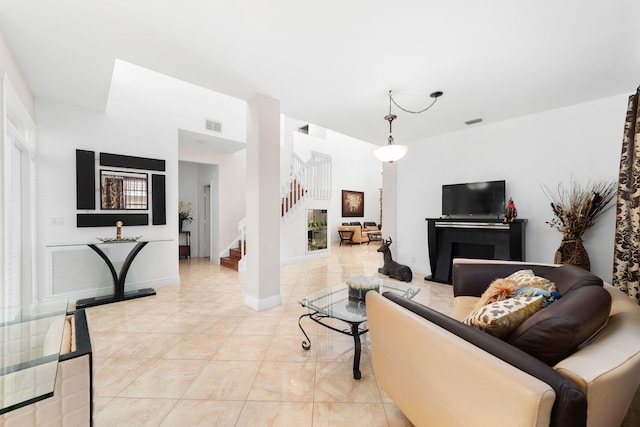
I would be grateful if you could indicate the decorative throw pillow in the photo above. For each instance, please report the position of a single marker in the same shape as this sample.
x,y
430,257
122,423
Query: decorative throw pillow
x,y
549,297
498,290
501,317
526,278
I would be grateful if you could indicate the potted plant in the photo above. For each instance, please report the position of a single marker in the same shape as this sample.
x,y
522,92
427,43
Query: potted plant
x,y
184,213
575,211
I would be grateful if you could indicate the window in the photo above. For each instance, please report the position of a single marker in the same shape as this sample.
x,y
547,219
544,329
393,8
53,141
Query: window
x,y
123,190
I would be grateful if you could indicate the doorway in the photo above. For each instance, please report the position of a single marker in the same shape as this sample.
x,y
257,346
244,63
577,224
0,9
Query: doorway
x,y
205,229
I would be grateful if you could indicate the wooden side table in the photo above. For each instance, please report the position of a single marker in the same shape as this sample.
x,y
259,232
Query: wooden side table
x,y
185,250
346,236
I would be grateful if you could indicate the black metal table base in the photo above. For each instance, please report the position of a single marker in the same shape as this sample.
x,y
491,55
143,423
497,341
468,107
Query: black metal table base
x,y
354,332
91,302
118,280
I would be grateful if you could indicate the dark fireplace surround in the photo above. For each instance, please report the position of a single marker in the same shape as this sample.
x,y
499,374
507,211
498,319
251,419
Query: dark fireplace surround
x,y
450,238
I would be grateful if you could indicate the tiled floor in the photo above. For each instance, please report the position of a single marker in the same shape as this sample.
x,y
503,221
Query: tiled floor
x,y
196,355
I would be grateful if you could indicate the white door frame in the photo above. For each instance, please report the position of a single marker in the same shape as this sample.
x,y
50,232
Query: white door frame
x,y
18,216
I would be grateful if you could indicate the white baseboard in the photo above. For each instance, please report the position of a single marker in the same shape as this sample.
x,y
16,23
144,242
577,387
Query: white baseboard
x,y
263,304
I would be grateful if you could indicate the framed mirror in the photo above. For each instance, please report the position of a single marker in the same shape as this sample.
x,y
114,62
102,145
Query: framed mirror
x,y
121,190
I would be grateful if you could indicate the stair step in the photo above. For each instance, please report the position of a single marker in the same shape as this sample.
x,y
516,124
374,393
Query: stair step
x,y
233,259
229,262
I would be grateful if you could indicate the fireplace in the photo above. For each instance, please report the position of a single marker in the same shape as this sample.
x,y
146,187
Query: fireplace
x,y
472,238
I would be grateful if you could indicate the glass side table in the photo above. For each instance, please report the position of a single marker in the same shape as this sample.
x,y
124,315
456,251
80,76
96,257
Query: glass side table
x,y
30,338
335,303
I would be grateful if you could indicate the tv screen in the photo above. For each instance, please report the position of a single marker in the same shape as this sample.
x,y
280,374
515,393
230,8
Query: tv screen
x,y
474,198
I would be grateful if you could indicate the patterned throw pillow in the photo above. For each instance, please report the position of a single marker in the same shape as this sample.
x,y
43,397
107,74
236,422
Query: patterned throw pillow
x,y
502,317
526,278
549,297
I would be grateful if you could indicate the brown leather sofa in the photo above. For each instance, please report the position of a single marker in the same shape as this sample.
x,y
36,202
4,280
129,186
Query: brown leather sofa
x,y
567,365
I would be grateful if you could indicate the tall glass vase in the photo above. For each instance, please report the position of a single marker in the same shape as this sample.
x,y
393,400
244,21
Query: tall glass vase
x,y
572,251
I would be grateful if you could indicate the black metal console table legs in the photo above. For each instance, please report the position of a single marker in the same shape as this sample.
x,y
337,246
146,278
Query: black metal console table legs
x,y
118,280
354,332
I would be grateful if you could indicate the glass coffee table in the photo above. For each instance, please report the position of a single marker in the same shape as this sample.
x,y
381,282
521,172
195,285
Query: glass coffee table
x,y
335,303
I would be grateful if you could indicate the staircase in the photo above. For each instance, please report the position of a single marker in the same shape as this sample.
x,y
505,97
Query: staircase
x,y
289,199
307,179
235,255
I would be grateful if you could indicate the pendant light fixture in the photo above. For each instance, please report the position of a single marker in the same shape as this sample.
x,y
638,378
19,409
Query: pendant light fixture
x,y
392,152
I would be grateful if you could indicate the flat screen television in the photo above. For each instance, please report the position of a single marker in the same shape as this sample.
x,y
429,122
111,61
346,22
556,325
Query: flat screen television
x,y
474,198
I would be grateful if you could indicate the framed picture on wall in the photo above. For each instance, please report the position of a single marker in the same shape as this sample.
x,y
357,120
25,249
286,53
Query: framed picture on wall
x,y
352,203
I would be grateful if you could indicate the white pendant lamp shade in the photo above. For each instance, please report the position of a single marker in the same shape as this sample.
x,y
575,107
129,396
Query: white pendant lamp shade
x,y
390,153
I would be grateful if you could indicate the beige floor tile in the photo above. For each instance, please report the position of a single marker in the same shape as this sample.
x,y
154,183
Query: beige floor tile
x,y
133,412
113,374
203,413
284,381
289,325
177,323
148,345
100,402
222,325
107,343
244,347
257,325
289,348
196,346
165,379
334,346
335,383
224,380
276,414
344,414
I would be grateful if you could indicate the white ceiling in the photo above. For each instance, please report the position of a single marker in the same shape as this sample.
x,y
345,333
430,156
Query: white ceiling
x,y
332,62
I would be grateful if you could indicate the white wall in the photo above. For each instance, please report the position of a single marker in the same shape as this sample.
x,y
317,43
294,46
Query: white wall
x,y
354,168
9,65
582,141
144,112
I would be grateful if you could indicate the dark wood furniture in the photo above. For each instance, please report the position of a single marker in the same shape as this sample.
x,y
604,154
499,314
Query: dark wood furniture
x,y
346,236
449,238
374,236
185,249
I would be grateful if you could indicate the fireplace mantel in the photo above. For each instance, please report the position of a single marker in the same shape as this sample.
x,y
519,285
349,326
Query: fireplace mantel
x,y
449,238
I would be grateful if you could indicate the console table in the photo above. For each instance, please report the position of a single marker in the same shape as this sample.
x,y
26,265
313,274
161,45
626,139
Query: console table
x,y
118,279
449,238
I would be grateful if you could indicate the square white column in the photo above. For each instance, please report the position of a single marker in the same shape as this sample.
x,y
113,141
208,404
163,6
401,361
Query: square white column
x,y
263,203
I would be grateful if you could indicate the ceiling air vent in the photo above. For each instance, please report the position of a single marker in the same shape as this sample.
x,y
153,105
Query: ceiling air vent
x,y
473,121
212,125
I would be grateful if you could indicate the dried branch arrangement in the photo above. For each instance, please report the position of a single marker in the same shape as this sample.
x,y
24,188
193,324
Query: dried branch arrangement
x,y
577,208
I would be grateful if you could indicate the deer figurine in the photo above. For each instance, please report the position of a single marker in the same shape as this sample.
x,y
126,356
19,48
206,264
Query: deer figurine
x,y
392,268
